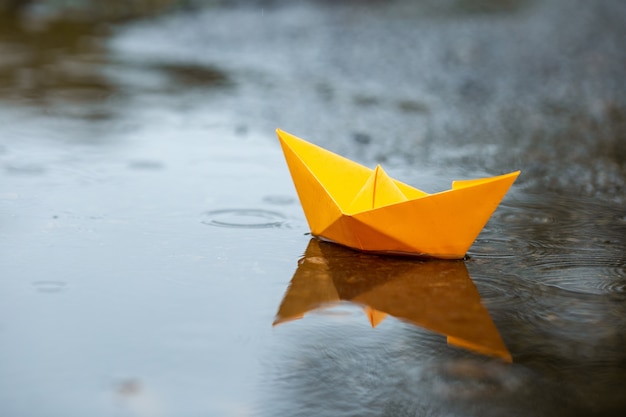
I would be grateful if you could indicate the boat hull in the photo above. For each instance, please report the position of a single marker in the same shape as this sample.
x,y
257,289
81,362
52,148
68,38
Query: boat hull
x,y
442,225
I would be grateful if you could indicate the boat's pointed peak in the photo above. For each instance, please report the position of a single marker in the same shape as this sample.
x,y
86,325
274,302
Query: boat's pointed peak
x,y
377,191
385,190
380,173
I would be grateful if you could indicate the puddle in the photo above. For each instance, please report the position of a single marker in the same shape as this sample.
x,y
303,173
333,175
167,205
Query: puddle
x,y
121,139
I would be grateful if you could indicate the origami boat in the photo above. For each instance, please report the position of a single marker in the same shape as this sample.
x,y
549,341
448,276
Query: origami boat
x,y
362,208
436,295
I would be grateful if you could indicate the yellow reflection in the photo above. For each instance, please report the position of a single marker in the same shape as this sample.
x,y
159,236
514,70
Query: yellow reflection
x,y
436,295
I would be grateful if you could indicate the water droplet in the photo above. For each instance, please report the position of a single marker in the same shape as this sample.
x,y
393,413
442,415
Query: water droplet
x,y
245,218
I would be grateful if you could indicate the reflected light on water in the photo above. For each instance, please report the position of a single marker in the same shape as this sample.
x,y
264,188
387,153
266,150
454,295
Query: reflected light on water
x,y
436,295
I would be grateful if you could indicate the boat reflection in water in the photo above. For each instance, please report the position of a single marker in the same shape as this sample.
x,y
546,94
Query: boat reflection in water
x,y
433,294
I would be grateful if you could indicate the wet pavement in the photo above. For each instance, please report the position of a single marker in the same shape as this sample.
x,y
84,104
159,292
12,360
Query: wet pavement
x,y
149,229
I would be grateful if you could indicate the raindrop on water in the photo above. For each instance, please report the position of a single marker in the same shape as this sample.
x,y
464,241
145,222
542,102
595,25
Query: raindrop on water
x,y
245,218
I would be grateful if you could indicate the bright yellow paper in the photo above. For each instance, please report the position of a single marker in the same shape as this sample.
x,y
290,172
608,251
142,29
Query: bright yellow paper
x,y
362,208
437,295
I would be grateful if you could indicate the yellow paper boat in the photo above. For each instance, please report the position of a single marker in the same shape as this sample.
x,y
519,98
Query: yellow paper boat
x,y
362,208
435,294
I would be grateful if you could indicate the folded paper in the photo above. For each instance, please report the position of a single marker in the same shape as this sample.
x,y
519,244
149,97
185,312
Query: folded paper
x,y
435,294
362,208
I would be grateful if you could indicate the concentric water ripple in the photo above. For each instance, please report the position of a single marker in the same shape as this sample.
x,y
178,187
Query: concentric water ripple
x,y
497,291
586,281
598,276
584,270
245,218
